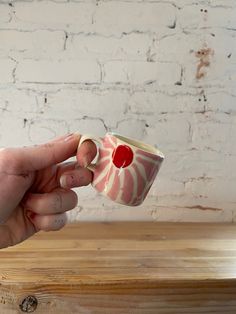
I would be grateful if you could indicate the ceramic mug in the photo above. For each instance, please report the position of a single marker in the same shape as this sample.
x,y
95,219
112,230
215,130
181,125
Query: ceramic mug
x,y
125,168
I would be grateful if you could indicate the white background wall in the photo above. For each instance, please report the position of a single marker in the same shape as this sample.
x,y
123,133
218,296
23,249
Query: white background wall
x,y
160,71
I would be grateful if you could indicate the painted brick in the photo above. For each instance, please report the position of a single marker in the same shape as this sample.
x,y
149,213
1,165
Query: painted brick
x,y
155,103
163,133
58,71
108,105
221,102
8,138
207,134
38,44
119,16
132,128
6,70
184,46
87,125
126,47
54,15
191,17
141,72
212,189
20,103
222,73
5,13
43,130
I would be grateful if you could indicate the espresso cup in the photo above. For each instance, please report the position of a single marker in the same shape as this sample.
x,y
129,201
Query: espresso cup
x,y
125,168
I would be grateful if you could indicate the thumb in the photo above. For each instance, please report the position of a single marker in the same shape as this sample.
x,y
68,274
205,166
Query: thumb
x,y
45,155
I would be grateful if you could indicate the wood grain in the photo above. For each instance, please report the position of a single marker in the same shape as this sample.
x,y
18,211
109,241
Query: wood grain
x,y
123,267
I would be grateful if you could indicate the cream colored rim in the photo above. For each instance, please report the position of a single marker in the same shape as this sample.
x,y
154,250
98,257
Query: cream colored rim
x,y
137,144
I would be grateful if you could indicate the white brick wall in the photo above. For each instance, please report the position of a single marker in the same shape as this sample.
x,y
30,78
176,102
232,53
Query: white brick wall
x,y
6,70
160,71
50,15
31,44
58,71
4,14
138,73
115,17
132,46
191,16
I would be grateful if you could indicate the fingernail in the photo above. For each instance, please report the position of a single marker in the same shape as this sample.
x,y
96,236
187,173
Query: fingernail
x,y
78,134
85,161
63,182
74,135
69,137
67,181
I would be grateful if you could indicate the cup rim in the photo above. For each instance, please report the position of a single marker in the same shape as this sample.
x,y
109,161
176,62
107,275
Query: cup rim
x,y
136,144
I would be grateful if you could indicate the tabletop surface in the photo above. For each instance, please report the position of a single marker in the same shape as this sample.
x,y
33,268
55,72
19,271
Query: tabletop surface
x,y
122,268
124,252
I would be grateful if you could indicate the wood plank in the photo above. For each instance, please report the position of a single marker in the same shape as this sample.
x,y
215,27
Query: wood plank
x,y
123,267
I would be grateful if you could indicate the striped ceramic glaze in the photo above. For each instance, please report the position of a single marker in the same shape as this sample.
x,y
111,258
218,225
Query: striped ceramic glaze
x,y
125,169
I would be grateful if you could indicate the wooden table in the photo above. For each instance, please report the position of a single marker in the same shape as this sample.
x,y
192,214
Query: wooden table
x,y
110,268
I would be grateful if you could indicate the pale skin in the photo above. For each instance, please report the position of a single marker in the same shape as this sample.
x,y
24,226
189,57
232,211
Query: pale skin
x,y
36,186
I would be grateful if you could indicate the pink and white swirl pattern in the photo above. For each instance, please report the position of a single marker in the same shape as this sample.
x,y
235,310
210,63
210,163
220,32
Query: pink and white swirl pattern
x,y
125,176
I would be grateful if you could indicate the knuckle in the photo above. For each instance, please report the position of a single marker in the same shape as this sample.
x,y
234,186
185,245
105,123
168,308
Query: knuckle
x,y
44,223
53,223
51,148
57,201
9,161
48,145
5,155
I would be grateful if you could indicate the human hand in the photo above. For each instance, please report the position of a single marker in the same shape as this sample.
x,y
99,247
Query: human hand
x,y
35,186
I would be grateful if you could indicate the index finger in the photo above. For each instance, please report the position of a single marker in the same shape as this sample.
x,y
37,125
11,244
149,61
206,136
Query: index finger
x,y
86,153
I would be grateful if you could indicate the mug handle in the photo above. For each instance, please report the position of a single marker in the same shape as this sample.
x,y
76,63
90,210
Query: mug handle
x,y
88,137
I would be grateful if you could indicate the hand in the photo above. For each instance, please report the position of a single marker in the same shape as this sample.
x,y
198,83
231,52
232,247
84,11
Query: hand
x,y
35,186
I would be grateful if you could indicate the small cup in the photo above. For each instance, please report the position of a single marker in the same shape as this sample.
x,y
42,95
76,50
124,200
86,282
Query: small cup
x,y
125,168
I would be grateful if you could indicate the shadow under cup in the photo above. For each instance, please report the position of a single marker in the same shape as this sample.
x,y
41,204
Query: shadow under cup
x,y
125,169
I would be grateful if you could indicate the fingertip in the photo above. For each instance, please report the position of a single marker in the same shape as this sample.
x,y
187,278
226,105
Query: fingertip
x,y
63,182
86,153
79,177
67,137
50,222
